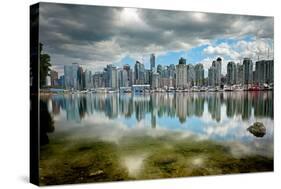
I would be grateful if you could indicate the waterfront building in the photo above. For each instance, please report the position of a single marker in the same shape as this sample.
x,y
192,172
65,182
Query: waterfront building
x,y
248,71
190,75
54,78
80,78
152,63
255,77
217,66
269,71
199,74
240,74
139,73
155,80
123,78
140,88
88,79
260,71
112,76
61,81
147,76
264,71
181,74
75,67
98,80
211,76
231,73
106,77
182,61
166,82
68,76
159,69
71,76
214,73
129,74
172,71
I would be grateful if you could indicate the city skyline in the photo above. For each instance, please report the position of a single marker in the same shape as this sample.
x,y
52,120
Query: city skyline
x,y
147,66
125,35
180,76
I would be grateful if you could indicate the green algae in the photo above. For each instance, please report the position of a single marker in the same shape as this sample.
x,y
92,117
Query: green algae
x,y
74,160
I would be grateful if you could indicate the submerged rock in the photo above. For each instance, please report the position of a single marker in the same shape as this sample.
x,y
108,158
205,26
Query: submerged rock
x,y
97,173
257,129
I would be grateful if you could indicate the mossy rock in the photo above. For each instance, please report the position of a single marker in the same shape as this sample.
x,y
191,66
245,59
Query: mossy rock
x,y
257,129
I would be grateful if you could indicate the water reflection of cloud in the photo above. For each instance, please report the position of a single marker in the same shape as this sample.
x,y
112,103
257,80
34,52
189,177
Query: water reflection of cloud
x,y
100,126
206,116
233,134
255,147
105,129
198,161
134,163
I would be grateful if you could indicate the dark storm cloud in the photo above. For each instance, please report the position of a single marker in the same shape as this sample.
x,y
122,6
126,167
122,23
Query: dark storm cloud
x,y
100,35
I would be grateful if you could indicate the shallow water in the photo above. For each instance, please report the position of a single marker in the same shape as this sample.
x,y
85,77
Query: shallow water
x,y
110,137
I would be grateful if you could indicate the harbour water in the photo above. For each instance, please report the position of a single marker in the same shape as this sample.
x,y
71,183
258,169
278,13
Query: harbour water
x,y
111,137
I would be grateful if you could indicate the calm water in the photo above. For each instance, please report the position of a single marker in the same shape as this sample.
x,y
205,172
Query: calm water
x,y
121,119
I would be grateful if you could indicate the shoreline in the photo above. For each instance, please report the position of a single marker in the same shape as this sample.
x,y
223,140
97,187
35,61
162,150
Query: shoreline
x,y
153,92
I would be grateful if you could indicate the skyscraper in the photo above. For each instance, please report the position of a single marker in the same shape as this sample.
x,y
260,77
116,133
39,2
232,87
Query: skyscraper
x,y
217,66
264,71
147,76
88,79
181,74
75,67
260,71
80,78
240,74
54,78
214,73
68,80
155,80
123,78
152,63
172,71
199,75
190,75
231,73
106,77
159,69
270,71
71,76
98,80
61,81
129,72
211,76
165,72
182,61
139,73
112,76
248,70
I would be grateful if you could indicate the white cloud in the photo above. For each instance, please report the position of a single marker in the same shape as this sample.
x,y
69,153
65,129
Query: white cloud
x,y
103,35
223,49
254,49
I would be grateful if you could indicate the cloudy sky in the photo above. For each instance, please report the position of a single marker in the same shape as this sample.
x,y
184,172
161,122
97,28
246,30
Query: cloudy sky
x,y
95,36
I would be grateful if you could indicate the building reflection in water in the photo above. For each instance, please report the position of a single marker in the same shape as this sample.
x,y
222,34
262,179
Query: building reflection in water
x,y
179,105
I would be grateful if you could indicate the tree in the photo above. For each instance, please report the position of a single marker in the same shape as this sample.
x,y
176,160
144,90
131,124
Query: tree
x,y
44,66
